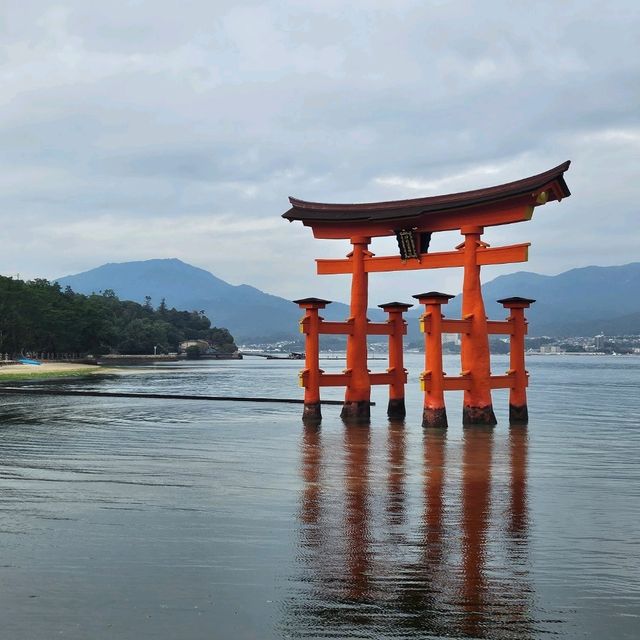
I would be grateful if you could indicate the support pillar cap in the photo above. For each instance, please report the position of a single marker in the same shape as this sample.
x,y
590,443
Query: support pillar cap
x,y
516,302
433,297
312,303
400,306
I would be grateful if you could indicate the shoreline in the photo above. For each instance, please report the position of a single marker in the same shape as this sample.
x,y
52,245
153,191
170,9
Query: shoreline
x,y
46,370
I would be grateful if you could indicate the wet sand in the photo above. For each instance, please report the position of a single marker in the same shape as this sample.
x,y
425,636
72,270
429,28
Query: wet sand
x,y
50,369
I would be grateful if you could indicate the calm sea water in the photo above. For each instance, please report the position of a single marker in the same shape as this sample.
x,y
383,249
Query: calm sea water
x,y
169,519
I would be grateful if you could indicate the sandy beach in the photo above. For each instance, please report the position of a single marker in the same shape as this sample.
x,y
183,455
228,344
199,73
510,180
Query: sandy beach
x,y
46,369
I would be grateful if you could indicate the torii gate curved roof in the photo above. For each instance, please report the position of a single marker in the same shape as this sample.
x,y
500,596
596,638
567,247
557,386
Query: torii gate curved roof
x,y
501,204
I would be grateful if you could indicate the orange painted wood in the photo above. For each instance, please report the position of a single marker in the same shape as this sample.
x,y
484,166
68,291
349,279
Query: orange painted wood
x,y
399,373
450,325
500,327
382,378
398,380
494,327
518,395
342,379
312,357
346,328
336,328
503,255
437,260
463,383
380,329
334,379
434,393
358,387
395,344
507,381
449,383
457,383
474,345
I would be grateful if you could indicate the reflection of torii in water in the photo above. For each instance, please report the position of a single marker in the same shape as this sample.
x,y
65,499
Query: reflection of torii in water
x,y
413,222
369,568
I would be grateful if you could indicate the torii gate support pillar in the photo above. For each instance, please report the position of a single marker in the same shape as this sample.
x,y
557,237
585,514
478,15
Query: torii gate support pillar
x,y
434,413
398,328
310,326
518,411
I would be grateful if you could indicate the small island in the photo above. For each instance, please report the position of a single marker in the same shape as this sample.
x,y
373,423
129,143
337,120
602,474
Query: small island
x,y
70,333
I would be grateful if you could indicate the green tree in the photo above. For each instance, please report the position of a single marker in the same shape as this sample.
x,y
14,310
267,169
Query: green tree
x,y
39,316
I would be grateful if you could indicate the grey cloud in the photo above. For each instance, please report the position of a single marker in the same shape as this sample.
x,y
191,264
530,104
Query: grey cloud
x,y
201,110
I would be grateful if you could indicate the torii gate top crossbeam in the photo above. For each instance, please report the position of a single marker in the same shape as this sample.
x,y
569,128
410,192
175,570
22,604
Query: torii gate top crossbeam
x,y
501,204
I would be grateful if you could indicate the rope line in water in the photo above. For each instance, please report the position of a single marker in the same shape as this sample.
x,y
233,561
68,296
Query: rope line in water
x,y
153,396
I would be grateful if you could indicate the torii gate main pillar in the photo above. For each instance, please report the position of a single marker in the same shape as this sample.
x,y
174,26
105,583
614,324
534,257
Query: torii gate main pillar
x,y
474,348
358,390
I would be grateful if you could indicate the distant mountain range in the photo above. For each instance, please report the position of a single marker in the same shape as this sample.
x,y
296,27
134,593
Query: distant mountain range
x,y
582,301
250,314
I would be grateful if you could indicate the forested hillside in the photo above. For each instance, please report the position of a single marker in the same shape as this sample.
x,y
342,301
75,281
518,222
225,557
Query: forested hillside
x,y
39,316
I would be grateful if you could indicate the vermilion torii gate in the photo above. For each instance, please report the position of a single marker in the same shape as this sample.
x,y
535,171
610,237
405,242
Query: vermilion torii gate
x,y
413,222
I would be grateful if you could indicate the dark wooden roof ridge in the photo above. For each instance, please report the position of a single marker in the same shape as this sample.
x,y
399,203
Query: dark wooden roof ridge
x,y
303,210
311,301
399,305
433,294
516,299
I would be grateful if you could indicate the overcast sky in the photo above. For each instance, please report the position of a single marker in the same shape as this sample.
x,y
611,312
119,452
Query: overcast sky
x,y
135,130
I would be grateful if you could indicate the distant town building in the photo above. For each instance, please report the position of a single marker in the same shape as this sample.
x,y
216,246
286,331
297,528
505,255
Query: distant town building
x,y
598,342
550,348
